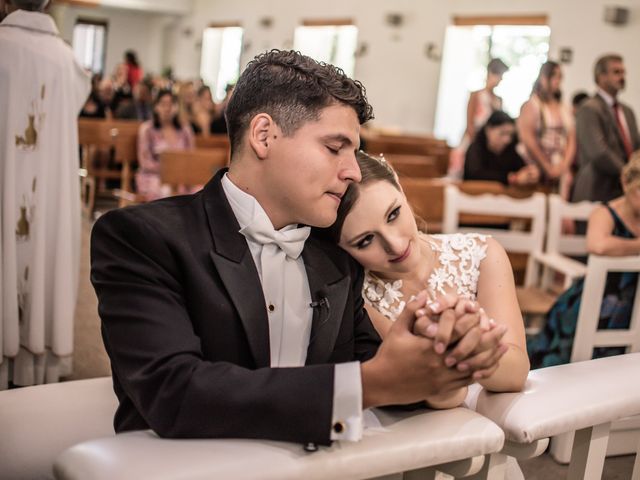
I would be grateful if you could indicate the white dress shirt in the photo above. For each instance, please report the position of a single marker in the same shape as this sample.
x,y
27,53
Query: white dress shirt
x,y
288,305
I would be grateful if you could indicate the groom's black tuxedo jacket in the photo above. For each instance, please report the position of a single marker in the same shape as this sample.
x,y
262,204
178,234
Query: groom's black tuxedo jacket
x,y
185,325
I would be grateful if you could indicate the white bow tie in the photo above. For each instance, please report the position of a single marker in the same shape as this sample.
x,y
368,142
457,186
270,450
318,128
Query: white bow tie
x,y
291,242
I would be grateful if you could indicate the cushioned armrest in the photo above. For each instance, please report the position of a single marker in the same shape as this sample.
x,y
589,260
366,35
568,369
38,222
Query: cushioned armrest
x,y
37,423
566,398
409,440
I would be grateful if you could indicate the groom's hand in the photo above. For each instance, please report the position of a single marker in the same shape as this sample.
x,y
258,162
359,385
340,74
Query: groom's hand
x,y
406,368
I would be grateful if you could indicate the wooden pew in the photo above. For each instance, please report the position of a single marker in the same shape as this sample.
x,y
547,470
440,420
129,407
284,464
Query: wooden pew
x,y
386,144
191,167
116,142
212,141
414,166
181,168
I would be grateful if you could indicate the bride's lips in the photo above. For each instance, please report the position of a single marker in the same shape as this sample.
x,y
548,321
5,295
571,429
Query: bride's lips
x,y
402,257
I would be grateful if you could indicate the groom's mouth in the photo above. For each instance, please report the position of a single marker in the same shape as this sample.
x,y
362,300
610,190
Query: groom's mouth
x,y
402,257
337,196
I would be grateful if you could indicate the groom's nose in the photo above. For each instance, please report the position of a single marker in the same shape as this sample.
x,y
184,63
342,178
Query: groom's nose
x,y
349,168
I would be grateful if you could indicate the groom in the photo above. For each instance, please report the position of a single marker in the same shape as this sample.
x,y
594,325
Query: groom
x,y
222,316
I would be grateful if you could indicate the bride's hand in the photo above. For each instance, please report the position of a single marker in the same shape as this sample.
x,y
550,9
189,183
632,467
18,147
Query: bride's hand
x,y
449,318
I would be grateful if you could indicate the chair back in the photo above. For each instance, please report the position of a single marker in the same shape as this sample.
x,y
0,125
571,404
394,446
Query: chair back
x,y
563,243
191,167
587,335
531,209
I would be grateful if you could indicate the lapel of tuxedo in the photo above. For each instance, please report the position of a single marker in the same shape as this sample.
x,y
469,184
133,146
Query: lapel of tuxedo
x,y
234,263
329,287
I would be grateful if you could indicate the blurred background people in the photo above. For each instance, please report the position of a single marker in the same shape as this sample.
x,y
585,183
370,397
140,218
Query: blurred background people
x,y
607,134
613,229
546,130
492,155
482,103
164,132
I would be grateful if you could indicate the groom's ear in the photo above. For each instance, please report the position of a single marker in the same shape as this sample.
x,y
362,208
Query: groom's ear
x,y
261,134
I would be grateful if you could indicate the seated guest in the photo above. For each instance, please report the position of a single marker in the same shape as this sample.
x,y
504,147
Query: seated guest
x,y
162,133
137,107
219,122
94,107
376,226
203,111
493,156
613,229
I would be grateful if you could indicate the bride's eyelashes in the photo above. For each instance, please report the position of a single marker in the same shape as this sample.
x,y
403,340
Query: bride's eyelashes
x,y
365,242
393,214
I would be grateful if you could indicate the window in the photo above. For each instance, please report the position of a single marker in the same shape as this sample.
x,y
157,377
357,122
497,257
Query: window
x,y
468,49
220,62
332,42
89,43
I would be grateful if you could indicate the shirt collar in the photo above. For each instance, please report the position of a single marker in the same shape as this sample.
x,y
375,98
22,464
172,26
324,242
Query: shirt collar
x,y
245,207
606,97
40,22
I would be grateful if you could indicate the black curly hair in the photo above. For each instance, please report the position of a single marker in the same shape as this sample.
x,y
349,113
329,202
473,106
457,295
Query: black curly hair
x,y
292,88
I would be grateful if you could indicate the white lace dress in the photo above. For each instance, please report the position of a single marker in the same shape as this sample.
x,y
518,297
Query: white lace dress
x,y
459,256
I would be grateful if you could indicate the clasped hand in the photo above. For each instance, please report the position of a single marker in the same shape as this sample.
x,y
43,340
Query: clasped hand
x,y
432,350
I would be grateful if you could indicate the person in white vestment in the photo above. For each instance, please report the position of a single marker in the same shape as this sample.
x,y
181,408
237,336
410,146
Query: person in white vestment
x,y
43,89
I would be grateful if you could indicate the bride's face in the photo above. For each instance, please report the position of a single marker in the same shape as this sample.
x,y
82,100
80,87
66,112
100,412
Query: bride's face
x,y
380,231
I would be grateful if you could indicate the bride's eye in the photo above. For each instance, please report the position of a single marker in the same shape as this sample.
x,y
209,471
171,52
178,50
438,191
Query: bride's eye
x,y
365,242
394,214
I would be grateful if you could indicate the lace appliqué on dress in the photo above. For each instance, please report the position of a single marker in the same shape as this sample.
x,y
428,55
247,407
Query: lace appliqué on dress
x,y
459,257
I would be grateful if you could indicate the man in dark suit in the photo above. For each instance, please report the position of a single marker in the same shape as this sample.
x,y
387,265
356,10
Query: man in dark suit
x,y
221,321
607,134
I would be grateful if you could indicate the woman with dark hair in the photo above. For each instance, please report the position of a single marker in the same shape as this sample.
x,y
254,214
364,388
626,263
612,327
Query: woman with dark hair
x,y
376,226
162,133
134,71
546,130
493,156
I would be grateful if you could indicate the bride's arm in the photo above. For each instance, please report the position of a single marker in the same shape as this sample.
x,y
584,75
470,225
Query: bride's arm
x,y
497,295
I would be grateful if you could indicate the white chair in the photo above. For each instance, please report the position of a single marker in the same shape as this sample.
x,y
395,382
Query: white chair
x,y
532,300
559,246
417,443
584,396
625,433
39,422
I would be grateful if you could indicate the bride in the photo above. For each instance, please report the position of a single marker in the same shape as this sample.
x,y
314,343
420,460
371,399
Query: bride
x,y
376,226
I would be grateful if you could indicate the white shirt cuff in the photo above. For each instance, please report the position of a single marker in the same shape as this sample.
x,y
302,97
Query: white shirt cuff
x,y
346,419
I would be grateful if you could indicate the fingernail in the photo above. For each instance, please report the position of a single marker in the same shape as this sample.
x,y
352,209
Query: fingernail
x,y
420,313
450,361
435,307
440,348
481,310
492,322
478,375
463,367
432,330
